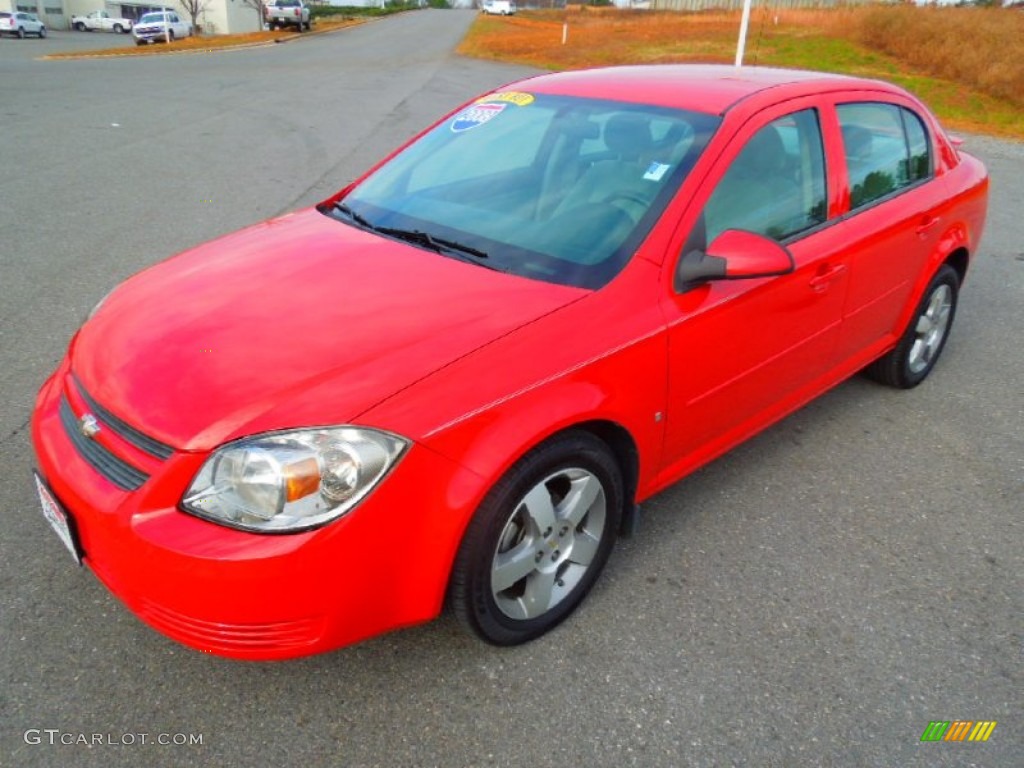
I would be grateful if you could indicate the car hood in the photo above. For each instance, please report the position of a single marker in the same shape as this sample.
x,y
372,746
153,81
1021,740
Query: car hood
x,y
298,321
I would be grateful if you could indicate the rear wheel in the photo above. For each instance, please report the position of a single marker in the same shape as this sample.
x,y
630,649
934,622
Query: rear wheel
x,y
118,28
538,541
919,348
80,26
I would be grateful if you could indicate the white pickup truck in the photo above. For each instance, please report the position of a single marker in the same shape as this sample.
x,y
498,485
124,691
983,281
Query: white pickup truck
x,y
288,13
101,20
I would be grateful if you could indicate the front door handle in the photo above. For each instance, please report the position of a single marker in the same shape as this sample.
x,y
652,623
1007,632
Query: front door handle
x,y
826,274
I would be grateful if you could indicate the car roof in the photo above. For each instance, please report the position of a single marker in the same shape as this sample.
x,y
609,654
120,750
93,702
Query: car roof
x,y
711,88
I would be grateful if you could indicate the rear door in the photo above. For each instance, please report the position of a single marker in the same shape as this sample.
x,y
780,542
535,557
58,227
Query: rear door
x,y
893,214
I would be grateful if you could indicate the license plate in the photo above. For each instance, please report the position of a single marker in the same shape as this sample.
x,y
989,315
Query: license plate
x,y
58,519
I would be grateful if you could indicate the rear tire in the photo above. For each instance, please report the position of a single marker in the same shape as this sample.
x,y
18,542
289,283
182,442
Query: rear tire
x,y
538,541
21,34
922,342
80,26
118,28
42,32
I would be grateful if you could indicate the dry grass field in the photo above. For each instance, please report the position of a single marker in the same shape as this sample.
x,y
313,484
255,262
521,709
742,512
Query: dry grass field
x,y
966,63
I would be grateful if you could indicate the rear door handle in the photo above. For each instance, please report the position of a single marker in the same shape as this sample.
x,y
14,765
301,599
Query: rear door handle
x,y
927,222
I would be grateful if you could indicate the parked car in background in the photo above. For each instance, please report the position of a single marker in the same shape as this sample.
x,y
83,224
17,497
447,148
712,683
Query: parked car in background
x,y
20,24
453,380
160,26
498,7
101,21
288,13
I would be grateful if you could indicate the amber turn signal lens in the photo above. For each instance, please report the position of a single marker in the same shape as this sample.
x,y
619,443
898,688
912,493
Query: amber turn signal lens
x,y
301,479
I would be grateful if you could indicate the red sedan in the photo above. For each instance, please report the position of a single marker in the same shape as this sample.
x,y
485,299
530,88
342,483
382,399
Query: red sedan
x,y
454,380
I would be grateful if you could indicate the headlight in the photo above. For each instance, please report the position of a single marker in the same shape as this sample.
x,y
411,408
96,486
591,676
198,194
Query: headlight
x,y
291,481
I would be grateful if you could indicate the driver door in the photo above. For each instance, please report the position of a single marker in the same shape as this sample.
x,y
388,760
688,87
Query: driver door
x,y
744,352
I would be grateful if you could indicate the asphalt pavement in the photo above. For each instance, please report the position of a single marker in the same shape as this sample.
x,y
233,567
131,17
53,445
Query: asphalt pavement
x,y
814,598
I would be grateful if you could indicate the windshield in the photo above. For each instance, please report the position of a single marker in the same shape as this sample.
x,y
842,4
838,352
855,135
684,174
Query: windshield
x,y
152,18
553,188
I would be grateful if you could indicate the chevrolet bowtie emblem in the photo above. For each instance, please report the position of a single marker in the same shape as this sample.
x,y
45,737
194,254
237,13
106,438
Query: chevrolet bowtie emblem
x,y
88,425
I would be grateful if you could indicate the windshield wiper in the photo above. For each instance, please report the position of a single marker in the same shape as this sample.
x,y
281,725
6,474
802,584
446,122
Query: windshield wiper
x,y
433,242
354,216
416,236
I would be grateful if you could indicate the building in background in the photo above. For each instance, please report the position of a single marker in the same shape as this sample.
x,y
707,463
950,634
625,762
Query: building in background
x,y
219,17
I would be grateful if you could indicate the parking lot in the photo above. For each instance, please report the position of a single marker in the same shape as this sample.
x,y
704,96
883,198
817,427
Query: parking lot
x,y
816,597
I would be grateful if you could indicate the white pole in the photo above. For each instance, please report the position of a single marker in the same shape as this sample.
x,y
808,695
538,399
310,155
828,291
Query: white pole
x,y
741,44
565,32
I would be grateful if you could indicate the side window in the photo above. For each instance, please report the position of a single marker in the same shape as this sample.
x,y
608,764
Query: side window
x,y
776,185
918,145
886,149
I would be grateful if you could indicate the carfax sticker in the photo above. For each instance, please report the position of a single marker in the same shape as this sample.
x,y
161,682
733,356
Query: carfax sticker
x,y
476,115
518,98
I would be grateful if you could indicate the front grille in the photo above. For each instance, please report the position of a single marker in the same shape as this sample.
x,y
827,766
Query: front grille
x,y
116,470
127,432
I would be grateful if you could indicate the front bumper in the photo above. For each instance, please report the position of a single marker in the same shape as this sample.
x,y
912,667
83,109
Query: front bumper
x,y
150,35
382,566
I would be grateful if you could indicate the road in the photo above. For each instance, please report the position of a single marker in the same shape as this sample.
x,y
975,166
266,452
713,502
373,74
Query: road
x,y
814,598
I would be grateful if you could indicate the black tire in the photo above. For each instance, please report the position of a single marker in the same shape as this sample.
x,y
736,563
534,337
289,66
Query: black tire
x,y
170,36
118,29
549,524
42,32
80,26
21,33
922,342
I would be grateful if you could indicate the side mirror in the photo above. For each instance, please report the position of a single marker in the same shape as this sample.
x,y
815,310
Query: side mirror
x,y
734,255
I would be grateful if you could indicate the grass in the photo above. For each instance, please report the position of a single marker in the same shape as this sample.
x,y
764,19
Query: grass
x,y
964,62
202,43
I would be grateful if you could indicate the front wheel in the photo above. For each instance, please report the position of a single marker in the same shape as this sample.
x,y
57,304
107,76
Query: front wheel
x,y
80,26
170,36
921,344
21,34
539,540
42,32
